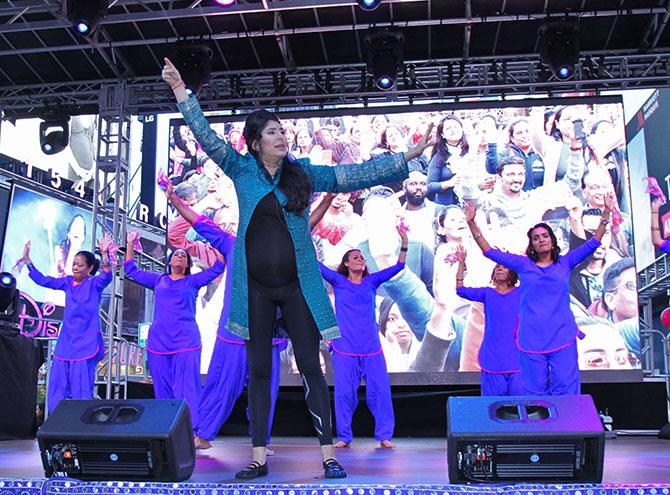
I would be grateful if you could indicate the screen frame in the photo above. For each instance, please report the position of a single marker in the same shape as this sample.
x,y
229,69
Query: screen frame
x,y
442,378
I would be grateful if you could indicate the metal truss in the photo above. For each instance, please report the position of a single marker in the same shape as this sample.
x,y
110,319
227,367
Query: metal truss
x,y
110,207
439,80
654,281
166,10
319,86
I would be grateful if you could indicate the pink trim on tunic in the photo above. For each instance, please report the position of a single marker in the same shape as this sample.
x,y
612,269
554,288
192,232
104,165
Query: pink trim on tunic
x,y
175,352
357,355
97,349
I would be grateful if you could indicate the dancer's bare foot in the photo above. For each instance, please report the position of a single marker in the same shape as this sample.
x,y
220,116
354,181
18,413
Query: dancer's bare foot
x,y
341,445
387,444
201,443
269,451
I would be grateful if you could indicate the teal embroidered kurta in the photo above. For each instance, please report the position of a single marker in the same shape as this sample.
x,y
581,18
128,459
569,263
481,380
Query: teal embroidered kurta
x,y
252,183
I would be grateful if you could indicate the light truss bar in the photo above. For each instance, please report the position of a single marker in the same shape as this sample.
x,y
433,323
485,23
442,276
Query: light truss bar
x,y
286,5
181,13
305,87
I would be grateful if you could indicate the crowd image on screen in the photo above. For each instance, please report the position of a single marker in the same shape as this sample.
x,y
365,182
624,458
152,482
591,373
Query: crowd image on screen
x,y
520,165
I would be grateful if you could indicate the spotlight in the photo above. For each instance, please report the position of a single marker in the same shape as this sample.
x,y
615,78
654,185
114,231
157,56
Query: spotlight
x,y
384,57
193,61
224,3
6,278
54,134
368,4
85,14
8,290
559,47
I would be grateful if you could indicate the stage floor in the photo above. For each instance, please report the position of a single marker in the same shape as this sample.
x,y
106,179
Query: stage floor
x,y
629,460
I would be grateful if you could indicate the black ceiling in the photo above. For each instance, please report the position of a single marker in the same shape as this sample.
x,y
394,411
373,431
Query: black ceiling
x,y
39,50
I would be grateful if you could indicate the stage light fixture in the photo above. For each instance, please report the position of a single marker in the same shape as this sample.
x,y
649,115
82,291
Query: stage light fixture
x,y
384,57
224,3
85,14
368,4
193,61
559,47
8,292
54,134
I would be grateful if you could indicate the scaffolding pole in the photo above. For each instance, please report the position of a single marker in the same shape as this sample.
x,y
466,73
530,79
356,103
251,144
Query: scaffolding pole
x,y
110,208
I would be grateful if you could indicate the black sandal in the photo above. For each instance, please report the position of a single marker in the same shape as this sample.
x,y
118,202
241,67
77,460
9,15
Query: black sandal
x,y
253,470
333,469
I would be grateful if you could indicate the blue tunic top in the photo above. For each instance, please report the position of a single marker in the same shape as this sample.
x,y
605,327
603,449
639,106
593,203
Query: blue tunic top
x,y
665,247
174,328
546,322
252,183
355,310
80,336
498,352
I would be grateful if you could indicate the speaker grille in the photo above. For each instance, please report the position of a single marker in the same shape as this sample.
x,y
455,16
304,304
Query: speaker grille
x,y
110,459
535,471
535,447
99,468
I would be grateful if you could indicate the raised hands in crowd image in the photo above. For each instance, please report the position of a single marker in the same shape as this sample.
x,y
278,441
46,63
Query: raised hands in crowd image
x,y
656,237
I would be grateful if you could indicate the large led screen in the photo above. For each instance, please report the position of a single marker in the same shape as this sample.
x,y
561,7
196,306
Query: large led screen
x,y
563,189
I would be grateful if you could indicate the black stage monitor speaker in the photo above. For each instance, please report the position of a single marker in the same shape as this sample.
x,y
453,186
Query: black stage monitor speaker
x,y
118,440
499,439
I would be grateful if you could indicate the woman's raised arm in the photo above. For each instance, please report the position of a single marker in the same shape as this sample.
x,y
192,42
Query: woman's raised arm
x,y
216,148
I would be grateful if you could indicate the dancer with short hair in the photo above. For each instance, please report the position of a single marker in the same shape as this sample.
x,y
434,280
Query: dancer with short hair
x,y
498,354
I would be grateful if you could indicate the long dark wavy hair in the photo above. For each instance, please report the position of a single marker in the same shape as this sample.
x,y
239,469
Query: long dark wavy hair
x,y
440,146
293,181
180,143
342,268
530,251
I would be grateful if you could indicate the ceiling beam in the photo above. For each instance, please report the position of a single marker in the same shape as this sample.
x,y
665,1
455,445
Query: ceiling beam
x,y
324,29
467,30
161,15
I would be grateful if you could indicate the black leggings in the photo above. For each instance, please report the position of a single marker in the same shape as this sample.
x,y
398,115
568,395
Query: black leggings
x,y
305,337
